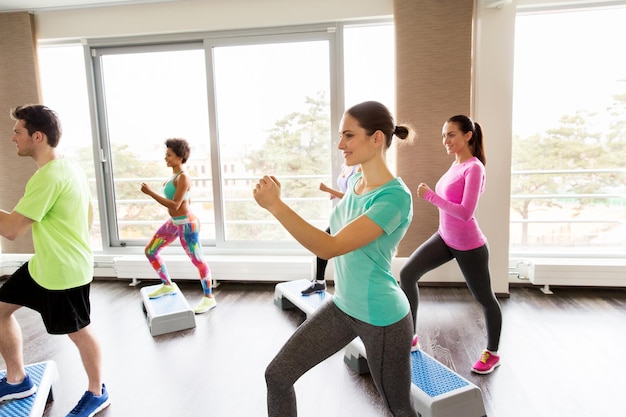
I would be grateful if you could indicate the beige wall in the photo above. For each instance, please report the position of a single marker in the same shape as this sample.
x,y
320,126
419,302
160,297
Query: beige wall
x,y
456,58
433,76
18,85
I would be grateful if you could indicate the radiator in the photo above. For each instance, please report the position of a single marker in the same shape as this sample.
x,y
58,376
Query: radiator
x,y
578,272
223,268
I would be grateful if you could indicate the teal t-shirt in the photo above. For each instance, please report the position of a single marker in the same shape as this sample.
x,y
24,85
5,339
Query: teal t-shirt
x,y
364,285
57,199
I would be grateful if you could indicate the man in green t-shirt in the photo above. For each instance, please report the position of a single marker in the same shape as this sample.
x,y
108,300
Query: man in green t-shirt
x,y
56,280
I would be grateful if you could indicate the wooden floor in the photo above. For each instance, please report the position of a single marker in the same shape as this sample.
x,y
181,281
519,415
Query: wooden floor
x,y
562,354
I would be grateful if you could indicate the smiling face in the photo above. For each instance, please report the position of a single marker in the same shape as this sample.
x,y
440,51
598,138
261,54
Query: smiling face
x,y
455,141
24,141
355,143
171,159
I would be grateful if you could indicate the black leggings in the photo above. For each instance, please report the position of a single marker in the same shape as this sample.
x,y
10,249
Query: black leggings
x,y
325,333
320,272
474,265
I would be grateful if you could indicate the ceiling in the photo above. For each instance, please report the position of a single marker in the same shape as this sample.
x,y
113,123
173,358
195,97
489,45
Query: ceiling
x,y
34,5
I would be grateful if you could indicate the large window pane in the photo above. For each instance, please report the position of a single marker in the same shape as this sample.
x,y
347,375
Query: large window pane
x,y
150,97
569,125
64,89
270,112
273,117
370,46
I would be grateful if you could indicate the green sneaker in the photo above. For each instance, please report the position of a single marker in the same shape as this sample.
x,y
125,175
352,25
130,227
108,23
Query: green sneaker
x,y
205,305
162,290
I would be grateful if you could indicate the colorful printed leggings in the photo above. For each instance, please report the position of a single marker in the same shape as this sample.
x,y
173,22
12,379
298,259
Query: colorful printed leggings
x,y
187,229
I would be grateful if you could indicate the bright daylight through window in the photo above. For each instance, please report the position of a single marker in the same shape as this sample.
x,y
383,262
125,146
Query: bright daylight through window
x,y
247,106
568,182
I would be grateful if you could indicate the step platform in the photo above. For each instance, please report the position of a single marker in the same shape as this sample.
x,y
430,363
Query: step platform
x,y
436,390
288,295
43,374
167,314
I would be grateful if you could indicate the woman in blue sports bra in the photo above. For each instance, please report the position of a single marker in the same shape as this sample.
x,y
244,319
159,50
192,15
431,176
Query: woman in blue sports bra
x,y
183,224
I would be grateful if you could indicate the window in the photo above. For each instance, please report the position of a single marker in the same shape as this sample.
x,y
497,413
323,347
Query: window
x,y
64,89
569,138
150,94
249,105
273,117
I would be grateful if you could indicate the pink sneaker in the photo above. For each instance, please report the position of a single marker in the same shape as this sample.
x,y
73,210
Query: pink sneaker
x,y
487,363
415,344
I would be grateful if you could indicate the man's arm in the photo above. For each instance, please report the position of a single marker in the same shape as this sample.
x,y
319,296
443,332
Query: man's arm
x,y
13,225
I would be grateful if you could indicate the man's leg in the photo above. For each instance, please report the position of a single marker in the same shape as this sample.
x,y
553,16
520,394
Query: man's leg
x,y
11,343
89,349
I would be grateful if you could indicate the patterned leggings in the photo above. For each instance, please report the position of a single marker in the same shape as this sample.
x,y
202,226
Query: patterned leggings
x,y
187,229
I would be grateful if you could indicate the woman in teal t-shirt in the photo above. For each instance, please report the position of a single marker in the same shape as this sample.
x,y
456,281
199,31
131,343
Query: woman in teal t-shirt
x,y
366,227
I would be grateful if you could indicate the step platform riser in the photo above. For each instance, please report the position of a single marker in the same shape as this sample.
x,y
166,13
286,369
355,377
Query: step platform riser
x,y
44,375
167,314
436,390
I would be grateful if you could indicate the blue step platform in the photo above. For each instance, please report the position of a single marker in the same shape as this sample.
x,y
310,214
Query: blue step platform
x,y
43,374
167,314
436,390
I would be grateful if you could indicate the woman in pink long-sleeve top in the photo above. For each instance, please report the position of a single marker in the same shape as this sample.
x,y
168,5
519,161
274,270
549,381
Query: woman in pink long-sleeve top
x,y
459,237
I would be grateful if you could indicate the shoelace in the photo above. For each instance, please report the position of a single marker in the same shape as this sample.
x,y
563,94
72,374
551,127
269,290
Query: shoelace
x,y
485,357
81,404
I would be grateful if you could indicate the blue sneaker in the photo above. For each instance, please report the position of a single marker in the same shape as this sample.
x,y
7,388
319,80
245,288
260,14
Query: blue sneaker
x,y
90,405
24,389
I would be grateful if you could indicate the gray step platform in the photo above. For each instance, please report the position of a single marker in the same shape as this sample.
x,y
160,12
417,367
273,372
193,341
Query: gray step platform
x,y
43,374
436,390
167,314
287,295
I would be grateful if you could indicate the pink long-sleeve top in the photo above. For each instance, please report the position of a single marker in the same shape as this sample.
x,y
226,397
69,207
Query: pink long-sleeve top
x,y
456,196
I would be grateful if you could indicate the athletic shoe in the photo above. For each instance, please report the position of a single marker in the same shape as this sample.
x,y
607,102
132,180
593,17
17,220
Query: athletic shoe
x,y
24,389
162,290
415,344
314,288
90,405
206,304
487,363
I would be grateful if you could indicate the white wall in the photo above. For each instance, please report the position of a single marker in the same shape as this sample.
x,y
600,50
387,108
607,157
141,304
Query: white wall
x,y
493,108
205,15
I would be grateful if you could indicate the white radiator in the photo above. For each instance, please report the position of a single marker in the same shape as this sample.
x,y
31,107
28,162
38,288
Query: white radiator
x,y
578,272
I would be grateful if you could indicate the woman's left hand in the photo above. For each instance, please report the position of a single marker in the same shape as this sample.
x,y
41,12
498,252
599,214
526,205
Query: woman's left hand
x,y
267,191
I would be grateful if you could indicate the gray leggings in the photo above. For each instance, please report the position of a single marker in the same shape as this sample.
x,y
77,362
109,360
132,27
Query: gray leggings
x,y
324,334
474,265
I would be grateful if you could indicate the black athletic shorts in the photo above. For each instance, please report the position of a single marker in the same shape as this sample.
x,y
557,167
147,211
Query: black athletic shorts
x,y
62,311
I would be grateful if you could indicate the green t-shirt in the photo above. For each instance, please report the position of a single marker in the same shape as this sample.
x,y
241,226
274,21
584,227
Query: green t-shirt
x,y
364,285
57,199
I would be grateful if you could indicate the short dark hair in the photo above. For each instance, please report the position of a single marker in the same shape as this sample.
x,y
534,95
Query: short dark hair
x,y
39,118
180,147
